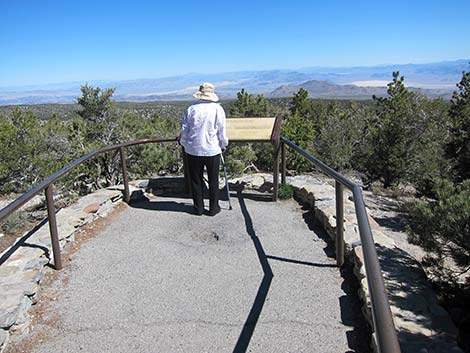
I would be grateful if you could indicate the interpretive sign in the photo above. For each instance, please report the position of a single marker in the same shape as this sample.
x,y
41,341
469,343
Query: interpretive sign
x,y
250,129
253,130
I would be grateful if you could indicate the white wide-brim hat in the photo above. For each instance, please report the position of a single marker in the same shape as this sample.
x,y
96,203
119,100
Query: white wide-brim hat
x,y
206,92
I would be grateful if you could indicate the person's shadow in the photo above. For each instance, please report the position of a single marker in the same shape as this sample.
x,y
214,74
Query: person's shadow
x,y
169,206
168,188
263,289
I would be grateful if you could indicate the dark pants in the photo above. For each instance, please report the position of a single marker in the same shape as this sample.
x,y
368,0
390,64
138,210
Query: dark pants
x,y
196,170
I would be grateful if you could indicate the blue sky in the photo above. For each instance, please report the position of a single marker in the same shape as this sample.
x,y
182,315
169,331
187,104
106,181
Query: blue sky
x,y
58,41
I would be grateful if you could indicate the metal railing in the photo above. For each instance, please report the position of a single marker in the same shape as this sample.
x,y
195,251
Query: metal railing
x,y
48,185
383,323
387,340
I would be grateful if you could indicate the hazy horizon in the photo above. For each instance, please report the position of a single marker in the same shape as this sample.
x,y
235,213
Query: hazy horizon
x,y
186,74
53,42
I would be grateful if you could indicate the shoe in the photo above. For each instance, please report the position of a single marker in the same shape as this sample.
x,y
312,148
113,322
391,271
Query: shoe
x,y
214,211
197,212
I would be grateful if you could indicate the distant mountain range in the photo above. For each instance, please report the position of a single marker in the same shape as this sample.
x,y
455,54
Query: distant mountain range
x,y
328,90
433,79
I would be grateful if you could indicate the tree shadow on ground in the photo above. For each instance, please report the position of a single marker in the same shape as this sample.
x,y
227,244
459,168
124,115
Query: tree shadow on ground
x,y
411,293
22,243
350,303
397,223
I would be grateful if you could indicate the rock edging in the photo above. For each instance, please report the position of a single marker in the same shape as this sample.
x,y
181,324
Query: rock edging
x,y
422,324
23,265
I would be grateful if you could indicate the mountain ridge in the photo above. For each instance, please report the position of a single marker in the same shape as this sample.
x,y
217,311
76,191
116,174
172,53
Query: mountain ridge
x,y
356,82
328,90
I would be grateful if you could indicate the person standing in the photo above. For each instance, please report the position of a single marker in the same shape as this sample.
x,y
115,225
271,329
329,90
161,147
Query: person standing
x,y
203,137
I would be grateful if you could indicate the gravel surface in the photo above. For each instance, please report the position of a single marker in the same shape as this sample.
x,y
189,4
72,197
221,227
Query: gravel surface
x,y
159,279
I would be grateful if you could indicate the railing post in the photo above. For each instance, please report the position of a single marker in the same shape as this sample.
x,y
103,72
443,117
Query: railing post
x,y
53,227
276,171
283,163
339,224
127,195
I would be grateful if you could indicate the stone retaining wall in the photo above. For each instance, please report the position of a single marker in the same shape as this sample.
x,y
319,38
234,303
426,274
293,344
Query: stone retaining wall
x,y
423,326
23,265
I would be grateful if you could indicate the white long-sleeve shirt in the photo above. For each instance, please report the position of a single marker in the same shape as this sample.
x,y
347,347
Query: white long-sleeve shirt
x,y
203,129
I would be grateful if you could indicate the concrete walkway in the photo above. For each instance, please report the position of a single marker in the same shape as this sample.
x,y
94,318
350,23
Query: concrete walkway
x,y
158,279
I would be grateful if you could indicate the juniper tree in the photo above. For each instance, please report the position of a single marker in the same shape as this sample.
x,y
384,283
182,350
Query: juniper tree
x,y
458,148
30,150
441,226
249,105
390,136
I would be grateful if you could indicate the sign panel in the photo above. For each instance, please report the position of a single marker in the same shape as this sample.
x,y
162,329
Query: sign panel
x,y
250,129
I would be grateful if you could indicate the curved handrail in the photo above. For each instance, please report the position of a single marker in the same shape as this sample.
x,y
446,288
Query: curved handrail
x,y
20,201
387,339
382,317
47,185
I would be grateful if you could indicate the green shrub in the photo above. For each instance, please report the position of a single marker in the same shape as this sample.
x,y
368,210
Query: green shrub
x,y
458,148
264,152
286,191
18,222
30,150
405,138
300,131
239,158
249,105
340,139
441,226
